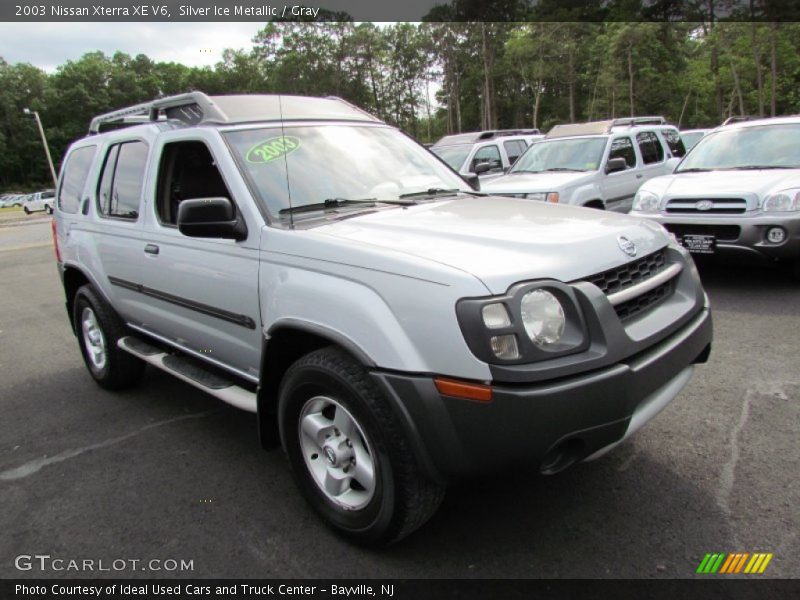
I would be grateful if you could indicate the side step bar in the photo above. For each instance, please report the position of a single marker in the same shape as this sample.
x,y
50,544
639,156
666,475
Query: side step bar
x,y
190,371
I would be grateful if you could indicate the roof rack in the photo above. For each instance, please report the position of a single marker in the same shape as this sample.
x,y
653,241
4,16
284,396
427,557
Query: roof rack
x,y
631,121
199,107
196,108
485,135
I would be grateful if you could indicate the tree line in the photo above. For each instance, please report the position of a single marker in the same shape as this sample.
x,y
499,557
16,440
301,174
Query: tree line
x,y
433,78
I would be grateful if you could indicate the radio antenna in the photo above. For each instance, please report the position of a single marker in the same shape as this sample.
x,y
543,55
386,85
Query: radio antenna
x,y
286,164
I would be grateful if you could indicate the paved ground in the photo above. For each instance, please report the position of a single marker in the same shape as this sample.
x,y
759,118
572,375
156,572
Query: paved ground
x,y
164,471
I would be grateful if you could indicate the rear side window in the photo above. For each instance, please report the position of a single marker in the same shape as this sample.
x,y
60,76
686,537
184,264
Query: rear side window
x,y
674,142
120,190
623,148
650,147
514,148
73,179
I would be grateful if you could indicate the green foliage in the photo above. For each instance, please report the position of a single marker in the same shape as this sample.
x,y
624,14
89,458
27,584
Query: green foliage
x,y
587,61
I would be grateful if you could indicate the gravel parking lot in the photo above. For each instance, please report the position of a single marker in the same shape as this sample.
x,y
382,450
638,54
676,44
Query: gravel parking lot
x,y
166,472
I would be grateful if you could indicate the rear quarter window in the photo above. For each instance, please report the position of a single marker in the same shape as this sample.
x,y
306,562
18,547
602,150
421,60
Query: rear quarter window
x,y
73,179
674,142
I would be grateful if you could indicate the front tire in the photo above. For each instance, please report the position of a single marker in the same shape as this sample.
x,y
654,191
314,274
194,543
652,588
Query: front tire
x,y
99,329
348,452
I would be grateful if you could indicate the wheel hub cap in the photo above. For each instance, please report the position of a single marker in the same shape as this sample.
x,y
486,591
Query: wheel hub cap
x,y
93,338
336,452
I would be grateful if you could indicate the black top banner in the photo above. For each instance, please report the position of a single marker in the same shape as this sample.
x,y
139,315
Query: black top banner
x,y
408,10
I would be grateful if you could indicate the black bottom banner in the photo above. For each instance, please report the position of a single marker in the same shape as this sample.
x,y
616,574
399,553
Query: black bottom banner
x,y
400,589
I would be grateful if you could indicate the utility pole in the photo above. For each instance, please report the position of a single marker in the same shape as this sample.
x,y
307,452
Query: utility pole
x,y
35,114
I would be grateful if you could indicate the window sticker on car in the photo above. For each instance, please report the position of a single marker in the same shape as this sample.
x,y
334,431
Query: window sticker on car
x,y
269,150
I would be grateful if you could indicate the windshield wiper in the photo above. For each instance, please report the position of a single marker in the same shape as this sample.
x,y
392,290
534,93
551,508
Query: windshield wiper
x,y
759,167
331,203
693,170
440,192
565,169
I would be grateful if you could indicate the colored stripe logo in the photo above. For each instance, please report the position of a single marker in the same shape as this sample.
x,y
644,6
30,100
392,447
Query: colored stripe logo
x,y
736,562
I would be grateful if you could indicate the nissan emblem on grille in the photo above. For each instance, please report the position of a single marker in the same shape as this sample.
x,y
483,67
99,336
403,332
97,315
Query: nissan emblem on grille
x,y
627,246
704,205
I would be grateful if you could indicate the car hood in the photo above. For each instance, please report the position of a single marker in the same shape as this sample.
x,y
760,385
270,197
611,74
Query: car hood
x,y
552,181
502,241
724,183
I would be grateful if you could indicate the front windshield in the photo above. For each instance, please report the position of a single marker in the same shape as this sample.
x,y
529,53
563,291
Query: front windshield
x,y
336,162
453,155
774,146
565,154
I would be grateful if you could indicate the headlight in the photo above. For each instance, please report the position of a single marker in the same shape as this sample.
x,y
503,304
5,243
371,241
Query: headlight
x,y
531,322
551,197
783,201
645,202
543,317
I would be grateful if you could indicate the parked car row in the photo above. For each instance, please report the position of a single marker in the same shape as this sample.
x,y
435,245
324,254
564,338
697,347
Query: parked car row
x,y
733,190
9,200
30,203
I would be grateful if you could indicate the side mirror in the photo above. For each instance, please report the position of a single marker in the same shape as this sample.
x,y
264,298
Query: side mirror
x,y
210,218
672,163
473,181
614,165
481,168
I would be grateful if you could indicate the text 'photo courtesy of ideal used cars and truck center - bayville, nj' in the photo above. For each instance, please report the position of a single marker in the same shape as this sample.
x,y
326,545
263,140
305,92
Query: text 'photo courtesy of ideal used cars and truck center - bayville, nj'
x,y
456,277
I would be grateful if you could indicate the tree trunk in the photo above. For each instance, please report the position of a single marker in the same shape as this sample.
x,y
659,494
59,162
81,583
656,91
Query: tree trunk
x,y
571,75
683,109
536,103
738,89
757,62
630,79
594,96
489,117
773,43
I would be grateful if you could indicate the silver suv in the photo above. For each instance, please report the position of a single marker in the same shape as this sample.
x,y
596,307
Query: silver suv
x,y
737,193
392,329
598,165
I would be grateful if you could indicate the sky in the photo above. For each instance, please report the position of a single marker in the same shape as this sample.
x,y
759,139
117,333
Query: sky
x,y
47,45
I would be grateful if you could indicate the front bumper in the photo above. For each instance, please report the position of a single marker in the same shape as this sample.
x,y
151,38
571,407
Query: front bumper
x,y
744,235
548,425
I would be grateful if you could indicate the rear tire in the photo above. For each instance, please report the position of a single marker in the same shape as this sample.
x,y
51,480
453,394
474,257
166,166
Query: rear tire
x,y
99,329
348,452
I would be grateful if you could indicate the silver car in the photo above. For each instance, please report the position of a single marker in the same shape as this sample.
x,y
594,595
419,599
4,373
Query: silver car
x,y
393,330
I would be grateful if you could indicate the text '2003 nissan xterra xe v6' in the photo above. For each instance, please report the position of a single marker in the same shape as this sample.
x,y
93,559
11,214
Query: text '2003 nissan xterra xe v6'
x,y
393,329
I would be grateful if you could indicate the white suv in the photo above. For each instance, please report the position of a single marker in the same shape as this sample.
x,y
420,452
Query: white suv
x,y
599,164
487,154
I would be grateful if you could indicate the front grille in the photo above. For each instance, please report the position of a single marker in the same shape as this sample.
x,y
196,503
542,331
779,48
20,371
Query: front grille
x,y
706,206
724,233
636,271
633,307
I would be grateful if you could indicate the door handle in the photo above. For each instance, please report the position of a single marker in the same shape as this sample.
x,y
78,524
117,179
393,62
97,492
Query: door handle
x,y
151,249
639,176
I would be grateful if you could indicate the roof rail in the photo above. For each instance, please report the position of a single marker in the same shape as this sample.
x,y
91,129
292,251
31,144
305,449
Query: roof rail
x,y
631,121
486,135
189,108
739,119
